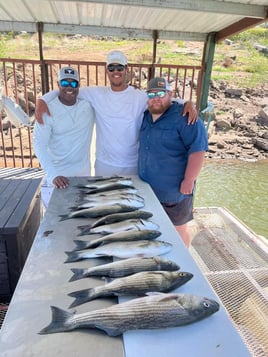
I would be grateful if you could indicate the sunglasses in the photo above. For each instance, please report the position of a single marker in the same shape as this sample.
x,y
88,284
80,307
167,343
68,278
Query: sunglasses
x,y
115,67
152,95
65,83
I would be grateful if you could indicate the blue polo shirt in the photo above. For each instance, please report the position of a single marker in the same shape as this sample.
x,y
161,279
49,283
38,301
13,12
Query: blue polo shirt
x,y
165,146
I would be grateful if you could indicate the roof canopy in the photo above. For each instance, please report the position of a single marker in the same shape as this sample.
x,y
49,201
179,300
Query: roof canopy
x,y
190,20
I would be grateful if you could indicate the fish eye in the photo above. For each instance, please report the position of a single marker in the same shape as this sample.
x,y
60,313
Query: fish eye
x,y
206,304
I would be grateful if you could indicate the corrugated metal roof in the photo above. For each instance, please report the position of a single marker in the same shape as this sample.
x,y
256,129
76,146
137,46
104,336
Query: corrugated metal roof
x,y
172,19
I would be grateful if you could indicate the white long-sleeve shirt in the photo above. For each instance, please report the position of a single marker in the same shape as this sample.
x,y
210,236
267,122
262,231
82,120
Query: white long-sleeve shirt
x,y
62,144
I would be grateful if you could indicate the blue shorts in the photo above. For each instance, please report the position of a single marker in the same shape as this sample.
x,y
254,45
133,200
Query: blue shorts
x,y
180,212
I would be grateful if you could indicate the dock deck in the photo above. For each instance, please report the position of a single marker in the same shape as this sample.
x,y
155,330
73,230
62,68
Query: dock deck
x,y
235,262
45,282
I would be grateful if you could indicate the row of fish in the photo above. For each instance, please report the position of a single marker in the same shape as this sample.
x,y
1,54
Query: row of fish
x,y
125,231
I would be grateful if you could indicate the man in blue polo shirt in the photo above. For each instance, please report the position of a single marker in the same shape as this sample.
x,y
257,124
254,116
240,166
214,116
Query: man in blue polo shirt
x,y
171,154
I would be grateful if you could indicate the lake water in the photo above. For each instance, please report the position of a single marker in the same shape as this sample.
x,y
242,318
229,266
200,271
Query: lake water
x,y
241,187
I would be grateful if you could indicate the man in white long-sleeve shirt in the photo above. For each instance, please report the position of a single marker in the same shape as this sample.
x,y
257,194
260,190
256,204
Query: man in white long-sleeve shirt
x,y
62,144
119,111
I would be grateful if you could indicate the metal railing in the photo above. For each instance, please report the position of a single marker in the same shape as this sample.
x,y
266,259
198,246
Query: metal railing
x,y
26,80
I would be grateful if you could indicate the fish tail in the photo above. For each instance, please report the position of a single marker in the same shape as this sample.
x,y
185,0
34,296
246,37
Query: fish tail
x,y
72,257
77,274
59,322
72,207
75,208
81,244
84,231
82,296
63,217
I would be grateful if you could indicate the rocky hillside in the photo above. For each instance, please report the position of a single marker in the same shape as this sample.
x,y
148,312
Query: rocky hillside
x,y
239,129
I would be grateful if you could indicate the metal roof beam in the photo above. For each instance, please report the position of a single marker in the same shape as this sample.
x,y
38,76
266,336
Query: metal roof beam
x,y
101,31
213,6
237,27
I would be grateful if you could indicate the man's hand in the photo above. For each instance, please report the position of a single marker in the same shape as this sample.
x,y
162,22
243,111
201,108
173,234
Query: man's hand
x,y
61,182
190,108
194,165
187,186
40,109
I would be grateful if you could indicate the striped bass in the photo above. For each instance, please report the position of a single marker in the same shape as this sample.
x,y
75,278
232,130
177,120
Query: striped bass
x,y
125,267
141,248
105,178
127,225
155,311
104,184
118,217
136,284
109,187
99,211
111,201
145,234
115,195
126,190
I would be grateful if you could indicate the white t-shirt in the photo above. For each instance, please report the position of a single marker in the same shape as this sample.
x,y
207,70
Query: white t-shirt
x,y
62,144
118,120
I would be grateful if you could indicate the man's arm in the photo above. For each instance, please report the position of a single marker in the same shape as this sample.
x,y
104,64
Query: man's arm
x,y
41,138
193,168
41,105
188,108
41,108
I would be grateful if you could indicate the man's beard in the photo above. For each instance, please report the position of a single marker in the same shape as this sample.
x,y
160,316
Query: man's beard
x,y
159,109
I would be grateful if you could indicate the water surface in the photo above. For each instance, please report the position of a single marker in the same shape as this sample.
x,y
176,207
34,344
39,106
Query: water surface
x,y
241,187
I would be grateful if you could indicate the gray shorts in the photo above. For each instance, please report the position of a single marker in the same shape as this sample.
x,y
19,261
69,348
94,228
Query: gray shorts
x,y
180,212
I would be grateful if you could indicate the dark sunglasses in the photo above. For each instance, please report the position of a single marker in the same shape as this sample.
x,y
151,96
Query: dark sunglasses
x,y
152,95
115,67
65,83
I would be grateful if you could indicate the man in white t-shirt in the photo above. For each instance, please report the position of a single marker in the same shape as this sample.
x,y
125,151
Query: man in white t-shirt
x,y
118,113
62,144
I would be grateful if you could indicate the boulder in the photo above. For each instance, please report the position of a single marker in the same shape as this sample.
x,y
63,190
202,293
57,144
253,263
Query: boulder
x,y
261,144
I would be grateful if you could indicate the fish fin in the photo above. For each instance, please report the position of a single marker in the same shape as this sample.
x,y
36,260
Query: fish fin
x,y
84,230
59,322
83,233
73,208
72,257
110,331
81,244
63,217
82,191
82,296
77,274
84,226
79,208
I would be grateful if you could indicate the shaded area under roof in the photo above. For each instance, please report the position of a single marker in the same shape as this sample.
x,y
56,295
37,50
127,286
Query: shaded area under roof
x,y
190,20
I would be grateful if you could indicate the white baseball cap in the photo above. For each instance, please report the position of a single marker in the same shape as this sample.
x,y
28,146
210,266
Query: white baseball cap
x,y
116,57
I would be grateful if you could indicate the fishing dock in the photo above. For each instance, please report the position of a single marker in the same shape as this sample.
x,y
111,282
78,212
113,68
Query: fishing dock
x,y
228,260
45,282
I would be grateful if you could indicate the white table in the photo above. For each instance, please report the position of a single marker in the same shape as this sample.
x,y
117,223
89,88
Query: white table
x,y
45,281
